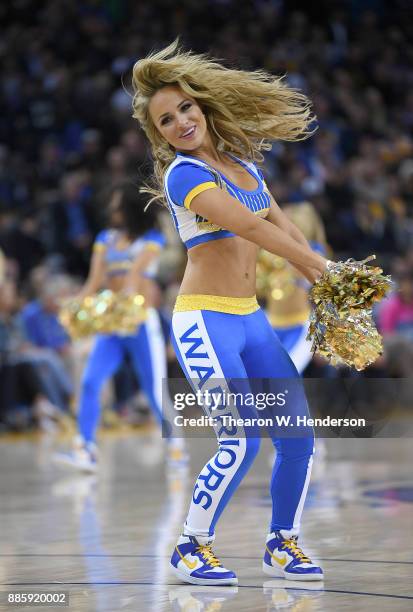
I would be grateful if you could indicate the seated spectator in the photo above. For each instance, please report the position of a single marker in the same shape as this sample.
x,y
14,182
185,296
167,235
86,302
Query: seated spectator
x,y
23,394
19,239
396,313
74,222
50,344
40,317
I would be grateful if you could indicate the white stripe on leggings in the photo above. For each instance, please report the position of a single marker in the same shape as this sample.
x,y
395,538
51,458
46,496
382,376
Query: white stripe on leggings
x,y
181,322
301,352
299,511
157,353
199,520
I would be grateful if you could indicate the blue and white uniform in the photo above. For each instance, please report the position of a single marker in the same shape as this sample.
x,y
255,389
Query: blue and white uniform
x,y
119,260
146,348
221,339
186,177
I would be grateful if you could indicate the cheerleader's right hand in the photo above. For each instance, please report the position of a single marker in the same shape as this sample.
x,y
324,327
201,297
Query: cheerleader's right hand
x,y
322,267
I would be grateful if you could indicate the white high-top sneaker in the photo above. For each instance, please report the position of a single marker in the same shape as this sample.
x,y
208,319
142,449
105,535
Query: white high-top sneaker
x,y
196,563
83,456
284,558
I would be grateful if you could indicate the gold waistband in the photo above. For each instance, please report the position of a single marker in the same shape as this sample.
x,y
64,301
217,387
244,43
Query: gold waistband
x,y
289,320
218,303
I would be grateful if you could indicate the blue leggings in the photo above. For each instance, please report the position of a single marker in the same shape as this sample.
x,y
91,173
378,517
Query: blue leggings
x,y
294,340
213,346
147,352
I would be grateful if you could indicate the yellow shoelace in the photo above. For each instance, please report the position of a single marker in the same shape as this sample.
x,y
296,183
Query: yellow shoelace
x,y
208,555
291,545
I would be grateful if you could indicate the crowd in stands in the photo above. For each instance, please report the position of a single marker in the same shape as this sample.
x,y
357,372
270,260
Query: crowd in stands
x,y
66,135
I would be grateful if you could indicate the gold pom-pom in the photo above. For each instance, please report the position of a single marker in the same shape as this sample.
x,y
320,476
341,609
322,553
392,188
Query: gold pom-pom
x,y
341,325
103,313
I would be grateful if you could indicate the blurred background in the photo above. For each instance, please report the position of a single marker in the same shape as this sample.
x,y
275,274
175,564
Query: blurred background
x,y
66,135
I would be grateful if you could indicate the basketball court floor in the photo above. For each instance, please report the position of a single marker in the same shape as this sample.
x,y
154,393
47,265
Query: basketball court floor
x,y
106,540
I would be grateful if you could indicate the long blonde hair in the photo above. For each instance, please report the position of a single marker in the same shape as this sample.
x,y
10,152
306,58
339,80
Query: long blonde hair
x,y
244,111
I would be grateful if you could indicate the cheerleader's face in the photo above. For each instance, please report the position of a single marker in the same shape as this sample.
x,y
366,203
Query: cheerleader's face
x,y
178,118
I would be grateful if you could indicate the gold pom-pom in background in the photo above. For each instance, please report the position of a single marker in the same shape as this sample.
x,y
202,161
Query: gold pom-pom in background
x,y
103,313
275,277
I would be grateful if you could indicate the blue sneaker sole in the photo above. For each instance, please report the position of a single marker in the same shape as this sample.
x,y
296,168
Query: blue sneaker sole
x,y
280,573
204,581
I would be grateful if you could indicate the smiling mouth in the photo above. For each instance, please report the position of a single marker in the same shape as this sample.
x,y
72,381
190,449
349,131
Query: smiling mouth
x,y
189,132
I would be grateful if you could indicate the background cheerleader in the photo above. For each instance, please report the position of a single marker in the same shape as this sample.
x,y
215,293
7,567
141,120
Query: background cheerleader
x,y
124,260
286,291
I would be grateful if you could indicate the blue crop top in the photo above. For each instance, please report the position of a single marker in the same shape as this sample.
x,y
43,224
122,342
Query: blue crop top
x,y
187,176
119,260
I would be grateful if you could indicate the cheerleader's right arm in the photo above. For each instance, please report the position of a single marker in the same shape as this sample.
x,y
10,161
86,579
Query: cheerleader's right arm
x,y
97,271
223,210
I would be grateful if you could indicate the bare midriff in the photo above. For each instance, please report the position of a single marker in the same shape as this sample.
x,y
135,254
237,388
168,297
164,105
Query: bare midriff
x,y
147,287
224,267
115,283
